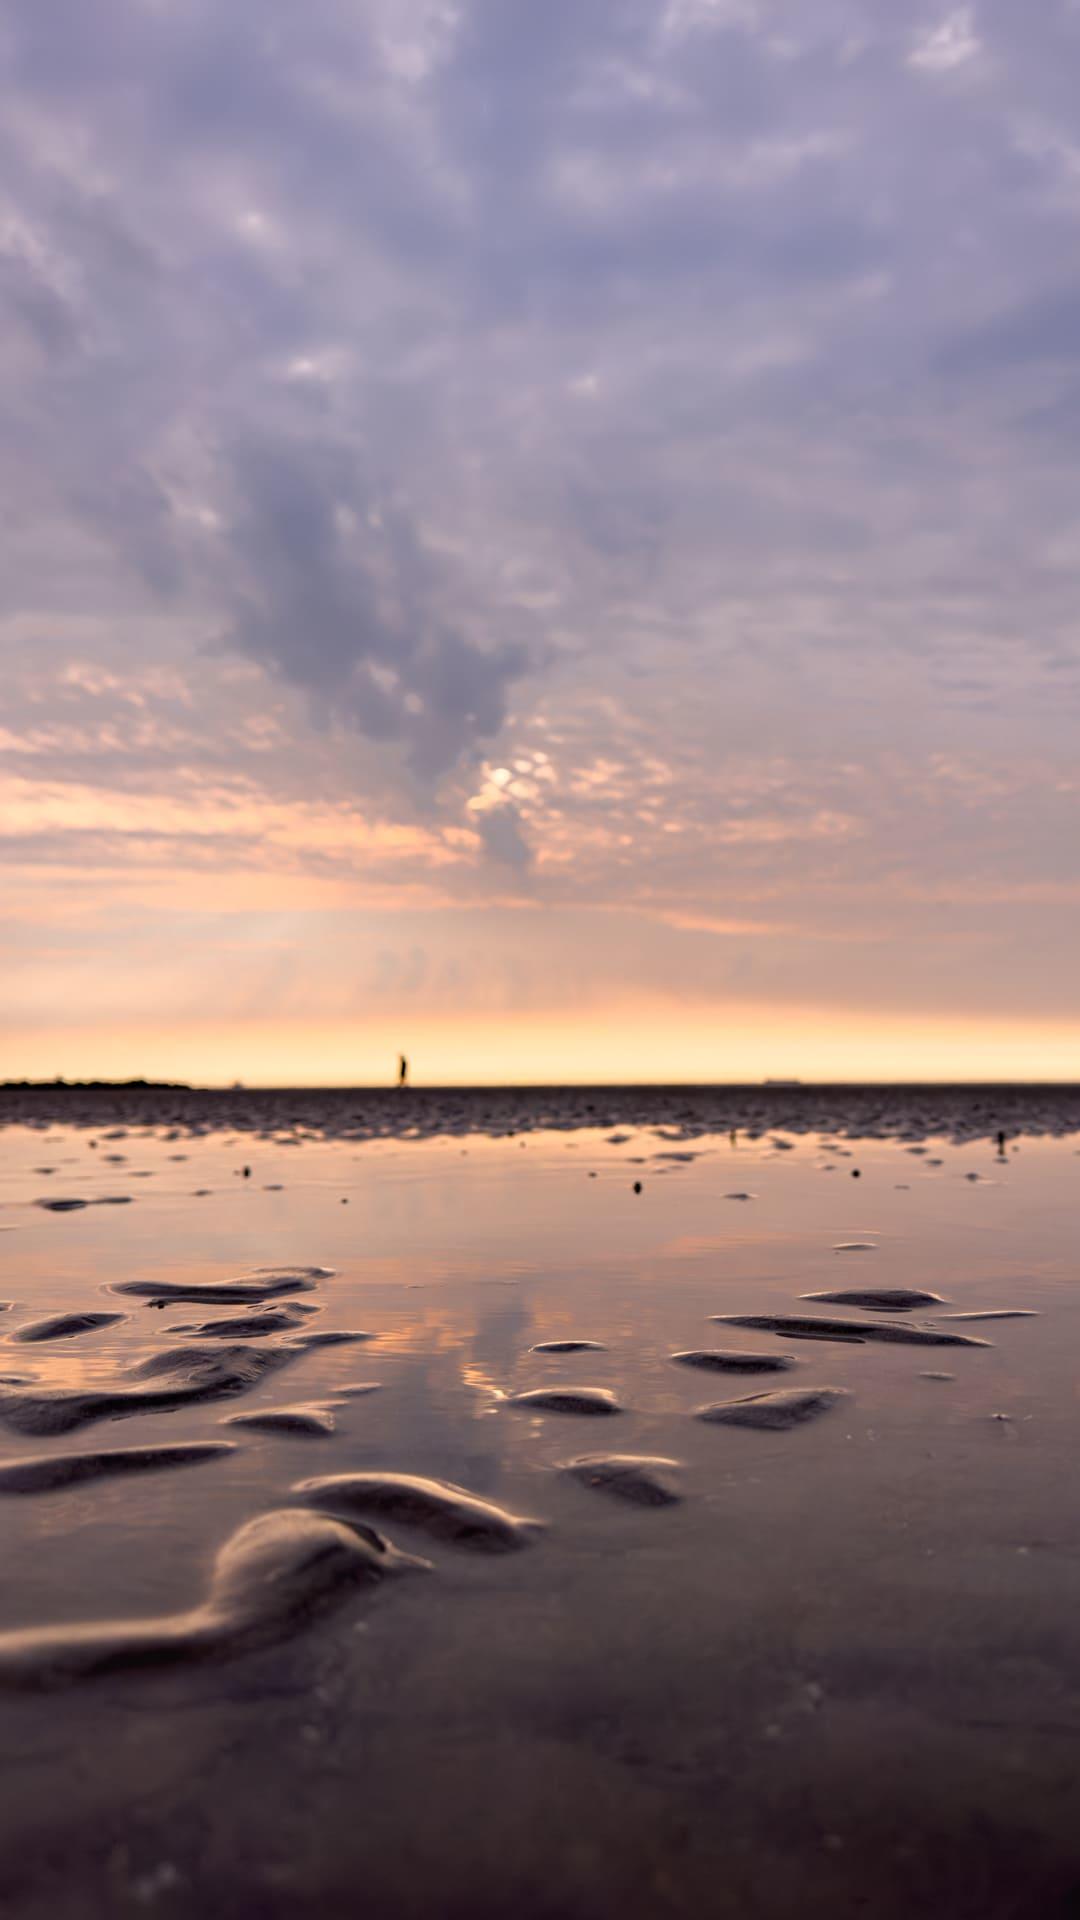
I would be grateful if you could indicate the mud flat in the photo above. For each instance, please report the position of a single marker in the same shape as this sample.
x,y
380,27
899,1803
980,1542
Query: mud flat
x,y
807,1647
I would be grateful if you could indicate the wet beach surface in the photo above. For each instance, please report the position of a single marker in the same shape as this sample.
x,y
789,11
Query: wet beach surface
x,y
326,1590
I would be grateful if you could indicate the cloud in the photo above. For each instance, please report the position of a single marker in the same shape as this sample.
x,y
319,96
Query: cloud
x,y
334,589
947,46
1045,329
581,391
502,838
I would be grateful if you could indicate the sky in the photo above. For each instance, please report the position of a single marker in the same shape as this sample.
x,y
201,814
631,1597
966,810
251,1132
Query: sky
x,y
545,537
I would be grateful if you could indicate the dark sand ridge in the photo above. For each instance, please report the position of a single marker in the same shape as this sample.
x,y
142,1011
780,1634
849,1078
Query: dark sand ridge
x,y
262,1285
731,1360
643,1480
589,1400
436,1507
271,1576
64,1326
309,1421
202,1374
51,1472
74,1205
774,1412
878,1299
800,1326
336,1337
995,1313
250,1326
568,1346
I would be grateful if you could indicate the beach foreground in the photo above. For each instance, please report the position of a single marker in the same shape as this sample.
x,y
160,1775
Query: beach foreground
x,y
539,1504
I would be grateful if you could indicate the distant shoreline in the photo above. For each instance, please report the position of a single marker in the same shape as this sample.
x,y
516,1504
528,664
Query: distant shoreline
x,y
256,1089
912,1112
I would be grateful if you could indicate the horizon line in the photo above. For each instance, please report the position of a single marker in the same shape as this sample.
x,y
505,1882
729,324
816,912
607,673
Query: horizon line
x,y
767,1085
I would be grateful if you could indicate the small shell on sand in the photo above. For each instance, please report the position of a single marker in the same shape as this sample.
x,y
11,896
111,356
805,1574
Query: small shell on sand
x,y
566,1400
642,1479
731,1360
567,1346
774,1412
879,1299
436,1507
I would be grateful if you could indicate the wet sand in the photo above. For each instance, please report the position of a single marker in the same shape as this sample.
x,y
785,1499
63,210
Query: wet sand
x,y
799,1642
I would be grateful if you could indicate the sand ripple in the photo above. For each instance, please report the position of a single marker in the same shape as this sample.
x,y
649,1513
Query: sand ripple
x,y
804,1326
731,1360
594,1400
435,1507
53,1471
879,1299
310,1421
774,1412
642,1479
64,1326
269,1578
263,1285
568,1346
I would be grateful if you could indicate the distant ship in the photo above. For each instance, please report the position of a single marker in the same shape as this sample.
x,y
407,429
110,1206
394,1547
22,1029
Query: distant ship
x,y
783,1083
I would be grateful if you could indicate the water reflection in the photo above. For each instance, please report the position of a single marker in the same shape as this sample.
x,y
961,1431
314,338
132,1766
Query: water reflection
x,y
893,1581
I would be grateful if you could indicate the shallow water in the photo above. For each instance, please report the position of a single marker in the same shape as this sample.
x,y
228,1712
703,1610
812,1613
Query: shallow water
x,y
836,1670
